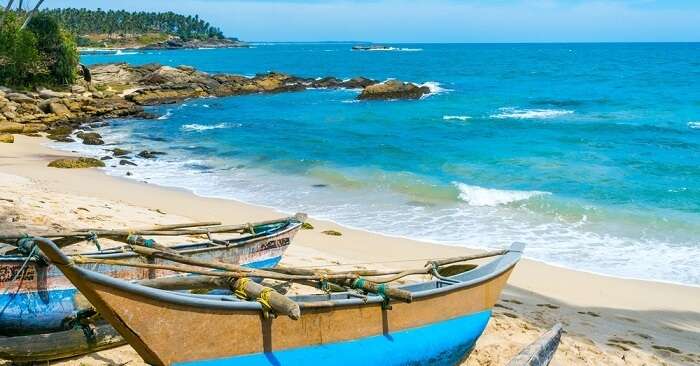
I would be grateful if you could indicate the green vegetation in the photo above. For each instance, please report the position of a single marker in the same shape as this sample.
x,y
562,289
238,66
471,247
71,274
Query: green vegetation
x,y
40,54
120,22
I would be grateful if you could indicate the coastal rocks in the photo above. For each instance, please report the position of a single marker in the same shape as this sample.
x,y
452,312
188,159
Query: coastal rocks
x,y
76,163
90,138
120,152
150,154
7,138
48,94
58,109
19,98
11,127
126,162
393,89
358,83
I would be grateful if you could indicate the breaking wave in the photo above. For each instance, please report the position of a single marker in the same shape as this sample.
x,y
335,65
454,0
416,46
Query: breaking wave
x,y
694,125
479,196
515,113
460,118
199,128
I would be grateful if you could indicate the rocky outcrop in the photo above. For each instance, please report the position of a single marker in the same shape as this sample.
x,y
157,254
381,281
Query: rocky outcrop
x,y
76,163
7,138
393,89
120,90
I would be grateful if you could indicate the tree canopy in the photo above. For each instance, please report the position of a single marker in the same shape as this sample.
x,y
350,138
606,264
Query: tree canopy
x,y
43,53
85,21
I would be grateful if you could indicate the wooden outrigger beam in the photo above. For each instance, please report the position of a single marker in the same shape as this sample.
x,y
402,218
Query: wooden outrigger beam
x,y
166,230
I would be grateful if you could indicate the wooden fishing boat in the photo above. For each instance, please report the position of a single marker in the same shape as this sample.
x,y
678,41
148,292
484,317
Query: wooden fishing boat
x,y
438,325
41,300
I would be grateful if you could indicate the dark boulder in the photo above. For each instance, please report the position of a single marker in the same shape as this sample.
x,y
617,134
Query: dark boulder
x,y
393,89
150,154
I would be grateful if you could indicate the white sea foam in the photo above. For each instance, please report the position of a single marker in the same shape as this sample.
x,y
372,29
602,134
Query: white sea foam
x,y
395,49
435,88
122,53
694,125
479,196
515,113
199,128
460,118
167,115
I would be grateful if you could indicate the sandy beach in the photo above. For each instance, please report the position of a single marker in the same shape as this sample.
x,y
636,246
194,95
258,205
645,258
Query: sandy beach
x,y
608,321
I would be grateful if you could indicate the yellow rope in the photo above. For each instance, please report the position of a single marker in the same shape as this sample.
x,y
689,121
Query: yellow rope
x,y
264,299
240,288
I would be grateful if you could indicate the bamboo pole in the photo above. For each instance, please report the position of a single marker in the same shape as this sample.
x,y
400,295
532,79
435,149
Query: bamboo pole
x,y
241,228
170,227
31,14
267,297
175,283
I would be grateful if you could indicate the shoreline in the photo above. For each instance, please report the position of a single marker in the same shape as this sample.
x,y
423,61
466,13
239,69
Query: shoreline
x,y
427,241
597,310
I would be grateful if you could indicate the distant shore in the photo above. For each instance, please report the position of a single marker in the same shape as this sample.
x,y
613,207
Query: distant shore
x,y
608,320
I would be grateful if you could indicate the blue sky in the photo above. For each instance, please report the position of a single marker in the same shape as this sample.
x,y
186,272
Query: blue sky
x,y
436,20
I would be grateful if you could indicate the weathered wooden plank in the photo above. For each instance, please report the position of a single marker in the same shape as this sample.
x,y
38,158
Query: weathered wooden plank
x,y
52,346
540,352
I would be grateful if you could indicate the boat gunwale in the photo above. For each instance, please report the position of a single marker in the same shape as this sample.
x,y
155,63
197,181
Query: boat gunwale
x,y
201,247
501,265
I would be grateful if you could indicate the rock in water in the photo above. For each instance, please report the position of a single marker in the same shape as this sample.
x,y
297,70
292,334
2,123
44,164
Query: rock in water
x,y
393,89
7,138
90,138
76,163
126,162
149,154
120,152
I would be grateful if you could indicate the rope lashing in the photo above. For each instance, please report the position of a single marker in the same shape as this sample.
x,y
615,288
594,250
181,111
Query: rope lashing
x,y
324,285
139,240
359,283
251,229
382,291
92,238
26,245
240,288
264,300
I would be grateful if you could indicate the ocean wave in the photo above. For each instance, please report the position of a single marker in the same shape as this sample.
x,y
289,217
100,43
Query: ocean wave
x,y
694,125
167,115
122,53
199,128
515,113
479,196
460,118
395,49
435,88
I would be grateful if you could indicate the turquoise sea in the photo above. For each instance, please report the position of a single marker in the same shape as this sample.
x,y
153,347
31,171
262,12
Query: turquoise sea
x,y
588,153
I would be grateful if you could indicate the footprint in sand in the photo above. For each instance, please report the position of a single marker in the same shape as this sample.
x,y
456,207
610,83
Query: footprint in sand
x,y
513,301
548,306
503,307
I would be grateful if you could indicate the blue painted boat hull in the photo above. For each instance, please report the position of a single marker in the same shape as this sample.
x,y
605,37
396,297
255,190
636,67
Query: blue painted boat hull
x,y
30,312
439,344
42,300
